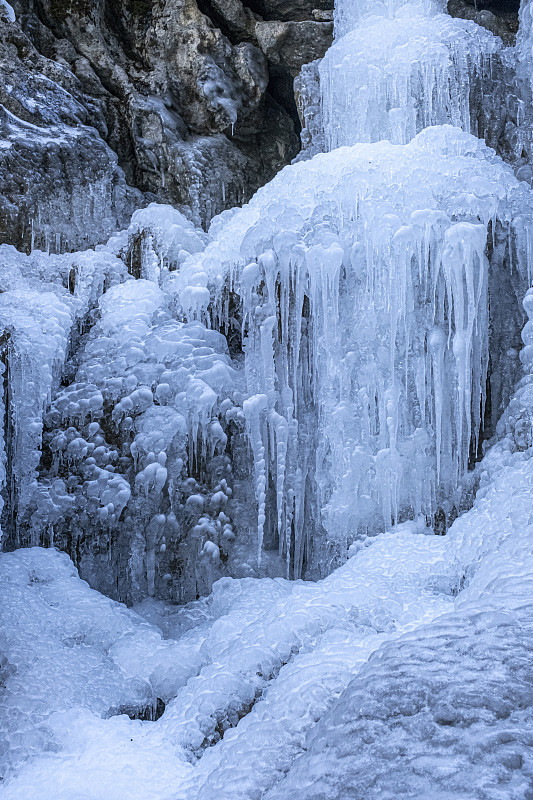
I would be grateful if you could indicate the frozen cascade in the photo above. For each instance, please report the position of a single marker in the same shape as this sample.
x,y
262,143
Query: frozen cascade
x,y
349,14
365,318
44,301
357,284
137,483
341,319
391,77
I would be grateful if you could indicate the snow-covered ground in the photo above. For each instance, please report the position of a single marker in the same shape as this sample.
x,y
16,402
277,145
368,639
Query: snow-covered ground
x,y
407,672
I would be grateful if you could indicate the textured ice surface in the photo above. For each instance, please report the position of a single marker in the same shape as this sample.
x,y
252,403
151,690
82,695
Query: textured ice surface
x,y
44,301
524,40
391,77
160,383
65,646
447,710
137,480
283,669
357,286
364,282
271,686
350,14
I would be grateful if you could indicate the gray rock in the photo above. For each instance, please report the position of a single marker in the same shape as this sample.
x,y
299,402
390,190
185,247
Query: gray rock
x,y
501,18
185,105
60,184
290,45
287,10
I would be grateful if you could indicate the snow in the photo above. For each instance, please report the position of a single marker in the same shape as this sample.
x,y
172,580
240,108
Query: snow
x,y
448,619
8,10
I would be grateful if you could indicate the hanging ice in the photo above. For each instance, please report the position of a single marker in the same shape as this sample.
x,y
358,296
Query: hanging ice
x,y
364,281
391,77
44,301
350,13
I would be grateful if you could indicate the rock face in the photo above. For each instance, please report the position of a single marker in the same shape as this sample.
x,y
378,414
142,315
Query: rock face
x,y
498,16
56,172
188,101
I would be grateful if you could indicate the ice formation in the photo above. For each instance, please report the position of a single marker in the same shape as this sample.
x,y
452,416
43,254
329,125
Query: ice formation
x,y
447,618
391,77
349,15
135,442
353,294
44,303
364,282
336,349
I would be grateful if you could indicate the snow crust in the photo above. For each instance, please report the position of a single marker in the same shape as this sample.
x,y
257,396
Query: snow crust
x,y
8,10
444,703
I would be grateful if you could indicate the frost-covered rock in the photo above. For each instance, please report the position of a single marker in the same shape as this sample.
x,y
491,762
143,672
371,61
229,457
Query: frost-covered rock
x,y
60,184
182,99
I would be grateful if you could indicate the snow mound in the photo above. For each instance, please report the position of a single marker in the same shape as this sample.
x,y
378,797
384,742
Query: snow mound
x,y
66,646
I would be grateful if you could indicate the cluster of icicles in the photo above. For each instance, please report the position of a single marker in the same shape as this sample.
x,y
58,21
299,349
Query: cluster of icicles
x,y
364,277
359,284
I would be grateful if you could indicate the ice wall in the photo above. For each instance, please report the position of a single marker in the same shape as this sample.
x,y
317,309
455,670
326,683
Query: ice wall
x,y
392,76
350,13
125,464
341,319
364,281
44,303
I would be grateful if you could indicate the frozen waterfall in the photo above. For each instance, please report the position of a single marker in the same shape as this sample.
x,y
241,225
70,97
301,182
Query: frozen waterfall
x,y
304,391
353,292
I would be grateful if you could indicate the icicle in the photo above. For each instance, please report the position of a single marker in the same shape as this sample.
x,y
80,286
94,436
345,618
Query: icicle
x,y
253,408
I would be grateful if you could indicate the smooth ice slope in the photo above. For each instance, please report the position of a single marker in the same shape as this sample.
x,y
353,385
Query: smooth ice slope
x,y
364,283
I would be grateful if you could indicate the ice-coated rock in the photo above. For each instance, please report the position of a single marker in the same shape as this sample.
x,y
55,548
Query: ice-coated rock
x,y
182,100
60,184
